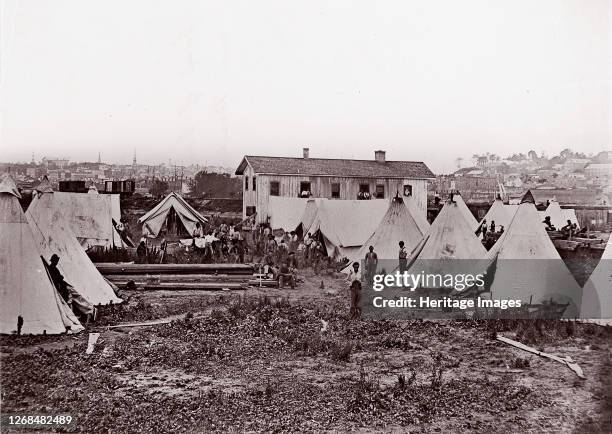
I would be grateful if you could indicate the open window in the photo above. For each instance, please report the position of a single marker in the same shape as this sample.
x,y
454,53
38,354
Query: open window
x,y
246,183
407,190
305,189
364,192
380,191
274,188
335,190
254,184
250,210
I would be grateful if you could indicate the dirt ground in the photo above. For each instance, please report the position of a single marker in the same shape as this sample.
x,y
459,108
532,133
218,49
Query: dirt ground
x,y
291,360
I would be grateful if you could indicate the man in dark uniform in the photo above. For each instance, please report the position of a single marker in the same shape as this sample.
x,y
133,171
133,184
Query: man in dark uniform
x,y
403,257
354,279
58,279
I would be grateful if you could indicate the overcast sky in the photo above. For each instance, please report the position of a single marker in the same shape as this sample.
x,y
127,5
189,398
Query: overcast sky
x,y
209,81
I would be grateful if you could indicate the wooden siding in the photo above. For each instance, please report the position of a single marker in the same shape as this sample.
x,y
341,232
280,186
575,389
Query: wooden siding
x,y
249,197
289,186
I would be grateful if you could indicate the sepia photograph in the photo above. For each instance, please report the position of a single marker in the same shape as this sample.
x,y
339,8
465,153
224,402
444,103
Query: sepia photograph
x,y
316,216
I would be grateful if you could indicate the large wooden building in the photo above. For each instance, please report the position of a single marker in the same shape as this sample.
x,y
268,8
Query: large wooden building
x,y
376,179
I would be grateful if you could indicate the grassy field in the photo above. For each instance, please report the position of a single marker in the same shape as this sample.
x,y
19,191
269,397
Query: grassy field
x,y
283,360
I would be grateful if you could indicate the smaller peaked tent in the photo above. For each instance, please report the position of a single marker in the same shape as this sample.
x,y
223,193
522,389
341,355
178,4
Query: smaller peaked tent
x,y
91,216
26,290
528,267
450,236
154,220
53,235
558,216
286,212
449,247
597,292
499,213
398,224
345,225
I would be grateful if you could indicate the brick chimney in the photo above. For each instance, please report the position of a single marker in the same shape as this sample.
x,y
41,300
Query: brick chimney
x,y
305,152
379,156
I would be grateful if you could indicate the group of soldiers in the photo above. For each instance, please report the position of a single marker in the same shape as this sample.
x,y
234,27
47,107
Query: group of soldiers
x,y
569,230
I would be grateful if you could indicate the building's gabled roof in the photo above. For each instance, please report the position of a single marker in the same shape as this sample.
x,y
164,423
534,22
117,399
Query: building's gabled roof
x,y
335,167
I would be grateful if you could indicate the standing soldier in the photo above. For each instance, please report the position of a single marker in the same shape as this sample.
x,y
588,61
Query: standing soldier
x,y
403,257
354,279
371,263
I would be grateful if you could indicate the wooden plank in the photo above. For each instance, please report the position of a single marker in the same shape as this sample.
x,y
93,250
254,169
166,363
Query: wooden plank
x,y
123,268
563,360
211,286
263,282
588,240
142,324
179,277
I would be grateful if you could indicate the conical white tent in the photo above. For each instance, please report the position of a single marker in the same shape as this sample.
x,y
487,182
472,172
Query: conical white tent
x,y
398,224
154,220
346,224
90,217
597,292
528,266
449,247
26,290
54,236
286,212
450,237
558,216
499,213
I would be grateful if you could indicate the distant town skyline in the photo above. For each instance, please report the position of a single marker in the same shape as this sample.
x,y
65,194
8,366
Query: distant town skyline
x,y
208,82
466,161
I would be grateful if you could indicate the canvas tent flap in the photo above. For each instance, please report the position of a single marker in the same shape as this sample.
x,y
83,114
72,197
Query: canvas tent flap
x,y
286,212
529,267
597,292
90,217
53,235
7,185
347,224
154,220
26,289
310,213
